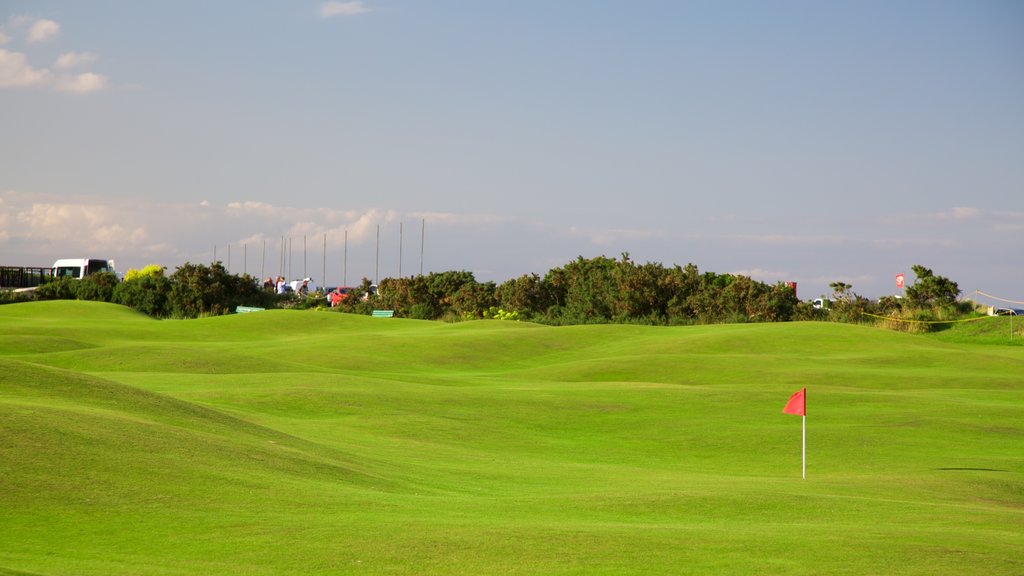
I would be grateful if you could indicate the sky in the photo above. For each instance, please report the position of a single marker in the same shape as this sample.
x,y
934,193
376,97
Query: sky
x,y
800,141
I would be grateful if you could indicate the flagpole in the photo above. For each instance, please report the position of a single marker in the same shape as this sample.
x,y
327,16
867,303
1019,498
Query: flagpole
x,y
804,470
797,406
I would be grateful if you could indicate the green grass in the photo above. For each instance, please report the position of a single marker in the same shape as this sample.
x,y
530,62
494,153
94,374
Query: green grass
x,y
290,442
998,330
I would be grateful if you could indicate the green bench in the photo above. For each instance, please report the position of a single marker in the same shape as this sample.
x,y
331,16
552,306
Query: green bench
x,y
244,309
383,313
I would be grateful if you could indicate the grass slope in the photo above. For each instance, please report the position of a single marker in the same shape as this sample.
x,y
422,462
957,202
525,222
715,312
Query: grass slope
x,y
298,443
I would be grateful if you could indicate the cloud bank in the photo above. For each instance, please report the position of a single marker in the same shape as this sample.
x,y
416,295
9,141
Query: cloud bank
x,y
340,244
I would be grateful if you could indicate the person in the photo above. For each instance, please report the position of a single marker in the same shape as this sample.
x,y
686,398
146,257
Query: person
x,y
268,284
304,288
282,288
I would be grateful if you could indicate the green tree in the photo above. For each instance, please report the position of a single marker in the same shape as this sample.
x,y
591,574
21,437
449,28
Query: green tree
x,y
98,286
404,294
930,290
147,292
841,290
474,299
59,289
528,295
586,290
198,290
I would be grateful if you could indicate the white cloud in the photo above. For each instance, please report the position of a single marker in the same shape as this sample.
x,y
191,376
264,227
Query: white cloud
x,y
83,83
352,8
42,30
70,60
249,205
16,72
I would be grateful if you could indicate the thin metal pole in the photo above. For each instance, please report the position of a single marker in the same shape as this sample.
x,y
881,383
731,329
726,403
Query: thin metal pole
x,y
323,279
263,262
400,224
344,270
376,271
229,257
423,235
804,469
214,253
304,274
245,259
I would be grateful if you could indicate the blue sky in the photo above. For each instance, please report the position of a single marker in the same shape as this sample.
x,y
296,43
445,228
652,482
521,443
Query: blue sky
x,y
800,141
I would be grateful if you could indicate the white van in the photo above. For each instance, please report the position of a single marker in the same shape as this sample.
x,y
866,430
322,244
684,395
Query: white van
x,y
79,268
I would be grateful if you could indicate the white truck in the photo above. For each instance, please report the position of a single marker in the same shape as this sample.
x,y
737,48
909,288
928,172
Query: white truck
x,y
79,268
25,278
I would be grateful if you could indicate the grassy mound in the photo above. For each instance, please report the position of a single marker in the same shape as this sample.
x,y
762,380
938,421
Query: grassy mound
x,y
299,442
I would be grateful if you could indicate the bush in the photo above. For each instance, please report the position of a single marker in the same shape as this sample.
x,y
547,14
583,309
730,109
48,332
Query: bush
x,y
422,311
148,294
12,297
153,270
198,290
98,287
502,314
59,289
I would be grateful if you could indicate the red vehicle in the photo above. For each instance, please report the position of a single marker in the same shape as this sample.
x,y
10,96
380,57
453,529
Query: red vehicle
x,y
338,294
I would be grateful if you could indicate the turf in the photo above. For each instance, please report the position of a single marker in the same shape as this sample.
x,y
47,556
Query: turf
x,y
298,442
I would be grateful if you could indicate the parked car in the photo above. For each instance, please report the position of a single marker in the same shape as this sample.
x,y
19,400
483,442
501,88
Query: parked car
x,y
336,295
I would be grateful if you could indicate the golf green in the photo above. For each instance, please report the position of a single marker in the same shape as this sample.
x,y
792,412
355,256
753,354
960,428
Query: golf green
x,y
303,442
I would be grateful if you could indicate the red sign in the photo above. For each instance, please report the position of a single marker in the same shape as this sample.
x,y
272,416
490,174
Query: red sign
x,y
899,281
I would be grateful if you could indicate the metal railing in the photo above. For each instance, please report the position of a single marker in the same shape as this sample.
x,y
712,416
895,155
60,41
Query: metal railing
x,y
12,277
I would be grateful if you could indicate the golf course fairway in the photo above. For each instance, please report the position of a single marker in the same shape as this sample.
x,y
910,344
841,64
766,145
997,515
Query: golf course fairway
x,y
304,442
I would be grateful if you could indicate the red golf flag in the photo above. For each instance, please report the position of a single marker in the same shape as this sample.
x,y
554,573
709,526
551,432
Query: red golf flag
x,y
797,403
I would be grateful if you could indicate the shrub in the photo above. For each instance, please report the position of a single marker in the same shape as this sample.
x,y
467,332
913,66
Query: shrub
x,y
148,294
152,270
198,290
12,297
98,287
422,311
502,314
59,289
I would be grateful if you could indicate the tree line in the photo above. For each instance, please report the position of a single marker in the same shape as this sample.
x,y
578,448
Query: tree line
x,y
598,290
